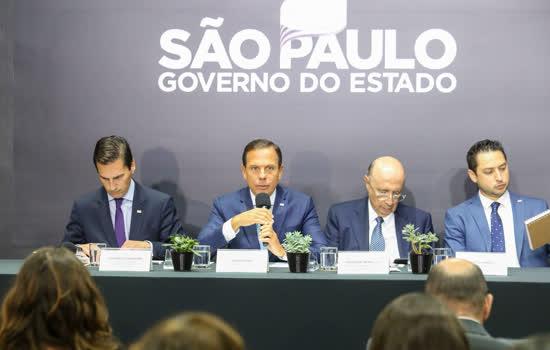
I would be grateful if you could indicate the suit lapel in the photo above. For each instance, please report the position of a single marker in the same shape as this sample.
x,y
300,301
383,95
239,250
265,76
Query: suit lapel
x,y
138,204
250,232
104,217
400,222
478,213
280,210
361,229
518,215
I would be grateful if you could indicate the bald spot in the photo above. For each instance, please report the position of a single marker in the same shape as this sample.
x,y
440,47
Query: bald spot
x,y
387,169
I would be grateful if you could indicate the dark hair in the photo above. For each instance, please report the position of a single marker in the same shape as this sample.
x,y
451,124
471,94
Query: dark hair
x,y
417,321
479,147
535,342
467,286
259,144
191,331
110,148
55,303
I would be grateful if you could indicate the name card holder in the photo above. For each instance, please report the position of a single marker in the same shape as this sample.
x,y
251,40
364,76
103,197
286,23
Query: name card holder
x,y
362,263
494,264
127,259
242,260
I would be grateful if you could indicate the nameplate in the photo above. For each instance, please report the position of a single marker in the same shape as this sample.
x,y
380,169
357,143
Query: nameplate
x,y
355,263
127,259
494,264
242,260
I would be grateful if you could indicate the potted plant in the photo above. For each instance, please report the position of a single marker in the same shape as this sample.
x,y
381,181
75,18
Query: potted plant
x,y
297,250
182,251
419,257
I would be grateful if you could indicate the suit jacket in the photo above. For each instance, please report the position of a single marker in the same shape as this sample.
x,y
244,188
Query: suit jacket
x,y
467,228
292,211
480,339
154,219
348,225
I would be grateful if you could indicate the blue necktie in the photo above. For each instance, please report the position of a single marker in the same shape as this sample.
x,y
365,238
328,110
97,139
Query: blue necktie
x,y
377,243
120,233
497,231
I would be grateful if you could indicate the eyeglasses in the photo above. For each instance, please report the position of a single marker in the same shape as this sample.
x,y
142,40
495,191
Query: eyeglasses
x,y
384,195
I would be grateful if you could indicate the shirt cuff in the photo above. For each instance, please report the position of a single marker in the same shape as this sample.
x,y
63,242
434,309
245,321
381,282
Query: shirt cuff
x,y
228,232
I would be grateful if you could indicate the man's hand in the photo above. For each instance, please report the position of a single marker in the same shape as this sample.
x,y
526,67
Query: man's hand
x,y
136,244
85,248
260,216
268,235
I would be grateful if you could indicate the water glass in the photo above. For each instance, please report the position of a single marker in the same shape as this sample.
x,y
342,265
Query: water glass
x,y
329,258
441,254
95,252
168,265
312,265
201,261
81,256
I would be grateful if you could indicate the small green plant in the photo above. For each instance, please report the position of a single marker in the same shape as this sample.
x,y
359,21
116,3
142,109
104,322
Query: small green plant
x,y
182,244
419,242
295,242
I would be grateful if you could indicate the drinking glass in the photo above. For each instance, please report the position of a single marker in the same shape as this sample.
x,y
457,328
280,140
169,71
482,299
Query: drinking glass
x,y
441,254
168,265
312,265
95,252
201,261
329,258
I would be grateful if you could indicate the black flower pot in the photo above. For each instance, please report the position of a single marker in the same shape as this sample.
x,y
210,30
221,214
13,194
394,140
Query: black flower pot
x,y
420,263
297,262
182,261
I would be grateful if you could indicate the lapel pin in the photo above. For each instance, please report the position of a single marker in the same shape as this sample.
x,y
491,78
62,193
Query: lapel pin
x,y
281,204
520,200
138,211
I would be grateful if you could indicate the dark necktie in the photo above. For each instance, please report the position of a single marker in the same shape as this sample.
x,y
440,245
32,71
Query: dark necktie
x,y
119,223
377,243
497,231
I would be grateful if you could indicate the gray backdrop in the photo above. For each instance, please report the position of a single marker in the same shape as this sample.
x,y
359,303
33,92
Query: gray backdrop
x,y
72,71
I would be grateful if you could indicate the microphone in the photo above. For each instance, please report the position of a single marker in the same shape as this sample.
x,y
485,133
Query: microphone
x,y
69,245
262,201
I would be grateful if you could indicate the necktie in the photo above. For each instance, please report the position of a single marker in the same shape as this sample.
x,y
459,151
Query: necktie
x,y
497,232
119,223
377,243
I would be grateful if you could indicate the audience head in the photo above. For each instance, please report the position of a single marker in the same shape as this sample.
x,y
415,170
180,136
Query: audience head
x,y
417,321
262,166
460,285
114,164
54,304
385,180
488,168
191,331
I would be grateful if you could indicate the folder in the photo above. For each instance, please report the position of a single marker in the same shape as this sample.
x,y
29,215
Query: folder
x,y
538,230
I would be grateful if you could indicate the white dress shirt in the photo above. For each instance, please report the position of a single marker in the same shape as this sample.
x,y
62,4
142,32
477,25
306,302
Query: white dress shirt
x,y
388,231
507,217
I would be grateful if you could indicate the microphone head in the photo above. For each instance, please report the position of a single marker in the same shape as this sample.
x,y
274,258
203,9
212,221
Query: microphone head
x,y
262,200
70,246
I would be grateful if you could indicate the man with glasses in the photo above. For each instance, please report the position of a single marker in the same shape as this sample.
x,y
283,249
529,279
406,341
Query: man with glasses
x,y
376,222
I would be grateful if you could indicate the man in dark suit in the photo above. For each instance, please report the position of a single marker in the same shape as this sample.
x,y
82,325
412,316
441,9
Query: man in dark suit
x,y
376,221
122,213
460,285
236,223
493,220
